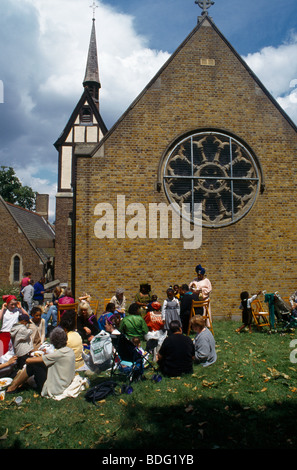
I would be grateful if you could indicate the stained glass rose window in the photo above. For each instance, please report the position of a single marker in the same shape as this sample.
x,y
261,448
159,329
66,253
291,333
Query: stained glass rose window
x,y
213,169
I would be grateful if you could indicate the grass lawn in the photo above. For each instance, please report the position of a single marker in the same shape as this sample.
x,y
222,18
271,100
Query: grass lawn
x,y
247,399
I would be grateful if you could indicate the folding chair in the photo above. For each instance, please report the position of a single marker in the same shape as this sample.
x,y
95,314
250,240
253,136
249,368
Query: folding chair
x,y
206,314
260,315
62,307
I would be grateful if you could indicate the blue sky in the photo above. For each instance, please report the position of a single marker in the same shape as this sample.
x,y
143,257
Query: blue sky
x,y
44,46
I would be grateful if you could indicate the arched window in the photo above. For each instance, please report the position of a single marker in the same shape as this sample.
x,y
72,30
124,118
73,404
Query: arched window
x,y
214,169
16,268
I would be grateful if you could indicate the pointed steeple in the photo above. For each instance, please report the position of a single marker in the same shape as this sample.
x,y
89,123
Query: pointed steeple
x,y
91,80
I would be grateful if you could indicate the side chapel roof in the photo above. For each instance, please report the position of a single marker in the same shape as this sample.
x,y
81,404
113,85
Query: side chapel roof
x,y
36,229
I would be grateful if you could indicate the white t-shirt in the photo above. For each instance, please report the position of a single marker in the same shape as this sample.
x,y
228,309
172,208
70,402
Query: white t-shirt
x,y
9,319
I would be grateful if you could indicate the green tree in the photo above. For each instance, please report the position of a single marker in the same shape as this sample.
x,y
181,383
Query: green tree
x,y
12,190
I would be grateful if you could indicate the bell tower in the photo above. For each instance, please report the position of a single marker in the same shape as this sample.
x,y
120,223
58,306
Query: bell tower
x,y
85,126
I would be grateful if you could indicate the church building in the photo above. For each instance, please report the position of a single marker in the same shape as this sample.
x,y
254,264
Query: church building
x,y
198,170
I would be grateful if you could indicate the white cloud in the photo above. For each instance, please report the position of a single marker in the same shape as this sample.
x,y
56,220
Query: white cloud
x,y
47,44
276,67
52,51
126,64
28,175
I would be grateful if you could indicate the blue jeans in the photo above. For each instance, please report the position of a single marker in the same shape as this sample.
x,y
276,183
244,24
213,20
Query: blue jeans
x,y
52,312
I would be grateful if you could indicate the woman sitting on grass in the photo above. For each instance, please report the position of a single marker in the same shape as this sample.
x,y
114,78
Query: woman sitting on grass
x,y
53,372
204,342
74,340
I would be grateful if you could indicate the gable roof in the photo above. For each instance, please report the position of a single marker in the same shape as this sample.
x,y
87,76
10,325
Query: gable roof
x,y
36,229
86,96
171,58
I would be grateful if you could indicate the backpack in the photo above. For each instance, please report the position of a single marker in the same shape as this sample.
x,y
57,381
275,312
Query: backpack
x,y
100,391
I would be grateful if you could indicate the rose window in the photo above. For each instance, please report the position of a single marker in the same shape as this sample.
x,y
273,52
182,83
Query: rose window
x,y
213,169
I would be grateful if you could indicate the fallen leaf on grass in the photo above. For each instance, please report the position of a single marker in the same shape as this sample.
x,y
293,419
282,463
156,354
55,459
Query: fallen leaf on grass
x,y
5,435
123,402
46,434
201,432
189,408
274,374
207,384
24,427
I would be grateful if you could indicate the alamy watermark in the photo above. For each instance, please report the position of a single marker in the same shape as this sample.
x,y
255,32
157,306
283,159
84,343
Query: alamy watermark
x,y
293,354
134,221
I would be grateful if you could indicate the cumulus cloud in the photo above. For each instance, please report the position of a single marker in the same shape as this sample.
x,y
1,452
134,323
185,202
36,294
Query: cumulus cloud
x,y
42,63
276,67
45,46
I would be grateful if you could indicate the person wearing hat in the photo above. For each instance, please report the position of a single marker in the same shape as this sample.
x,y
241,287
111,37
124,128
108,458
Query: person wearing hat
x,y
21,338
201,285
9,315
119,300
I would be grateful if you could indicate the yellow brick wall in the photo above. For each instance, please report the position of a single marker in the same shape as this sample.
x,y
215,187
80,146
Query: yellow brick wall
x,y
258,252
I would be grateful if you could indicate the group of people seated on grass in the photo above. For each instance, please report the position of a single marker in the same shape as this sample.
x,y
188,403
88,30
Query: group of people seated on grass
x,y
33,345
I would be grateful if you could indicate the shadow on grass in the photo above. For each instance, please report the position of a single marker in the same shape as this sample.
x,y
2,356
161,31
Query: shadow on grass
x,y
205,424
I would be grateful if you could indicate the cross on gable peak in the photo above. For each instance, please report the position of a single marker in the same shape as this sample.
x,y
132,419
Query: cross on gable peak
x,y
204,5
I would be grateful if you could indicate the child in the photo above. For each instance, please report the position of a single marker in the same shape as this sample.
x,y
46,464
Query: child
x,y
245,306
37,325
21,340
27,293
109,312
170,309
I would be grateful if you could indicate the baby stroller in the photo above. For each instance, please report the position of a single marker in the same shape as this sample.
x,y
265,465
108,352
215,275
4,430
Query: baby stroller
x,y
282,311
128,361
289,315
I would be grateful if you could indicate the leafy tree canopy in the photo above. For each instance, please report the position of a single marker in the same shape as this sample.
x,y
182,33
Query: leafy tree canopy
x,y
12,190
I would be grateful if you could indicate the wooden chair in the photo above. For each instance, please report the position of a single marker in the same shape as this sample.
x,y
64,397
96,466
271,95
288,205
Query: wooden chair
x,y
206,314
260,315
94,306
106,301
62,307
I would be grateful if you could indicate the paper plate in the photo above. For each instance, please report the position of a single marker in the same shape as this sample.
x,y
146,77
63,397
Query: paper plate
x,y
37,353
5,382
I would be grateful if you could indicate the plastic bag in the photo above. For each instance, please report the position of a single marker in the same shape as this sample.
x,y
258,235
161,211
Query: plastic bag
x,y
101,348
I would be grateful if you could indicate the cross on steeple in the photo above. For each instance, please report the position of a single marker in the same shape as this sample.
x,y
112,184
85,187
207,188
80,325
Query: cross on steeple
x,y
204,5
94,6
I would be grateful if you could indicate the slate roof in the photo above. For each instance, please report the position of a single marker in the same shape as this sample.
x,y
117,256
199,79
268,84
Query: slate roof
x,y
92,70
36,229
